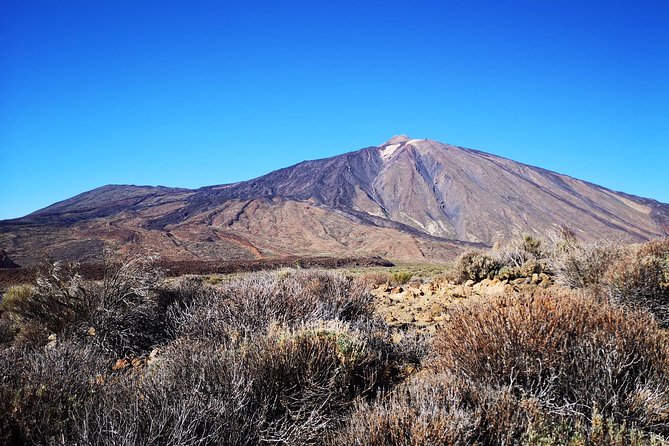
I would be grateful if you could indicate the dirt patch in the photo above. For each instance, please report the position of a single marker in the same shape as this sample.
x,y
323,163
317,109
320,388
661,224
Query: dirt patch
x,y
425,305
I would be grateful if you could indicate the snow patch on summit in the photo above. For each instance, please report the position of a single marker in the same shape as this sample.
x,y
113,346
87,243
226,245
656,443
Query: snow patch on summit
x,y
388,151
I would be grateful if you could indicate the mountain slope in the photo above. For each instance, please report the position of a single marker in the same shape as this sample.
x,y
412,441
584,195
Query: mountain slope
x,y
407,199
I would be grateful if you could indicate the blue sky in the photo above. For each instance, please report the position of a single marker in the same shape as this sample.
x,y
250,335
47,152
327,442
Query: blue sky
x,y
208,92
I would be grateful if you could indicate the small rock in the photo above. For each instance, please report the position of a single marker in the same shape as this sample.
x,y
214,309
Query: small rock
x,y
469,283
153,355
90,331
120,364
52,341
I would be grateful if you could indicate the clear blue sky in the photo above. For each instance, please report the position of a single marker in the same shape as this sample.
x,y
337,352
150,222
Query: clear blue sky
x,y
196,93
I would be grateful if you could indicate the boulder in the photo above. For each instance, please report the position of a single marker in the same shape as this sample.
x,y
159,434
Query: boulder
x,y
6,262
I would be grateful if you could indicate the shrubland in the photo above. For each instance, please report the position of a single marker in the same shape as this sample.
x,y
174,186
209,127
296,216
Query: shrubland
x,y
302,357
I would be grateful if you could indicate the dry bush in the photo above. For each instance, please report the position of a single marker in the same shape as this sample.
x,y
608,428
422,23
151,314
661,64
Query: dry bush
x,y
249,306
8,330
425,411
543,370
440,409
518,252
270,358
179,297
120,313
572,353
288,387
475,266
642,279
42,391
584,265
373,279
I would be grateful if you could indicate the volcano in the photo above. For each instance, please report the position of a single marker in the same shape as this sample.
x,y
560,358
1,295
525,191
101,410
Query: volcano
x,y
407,199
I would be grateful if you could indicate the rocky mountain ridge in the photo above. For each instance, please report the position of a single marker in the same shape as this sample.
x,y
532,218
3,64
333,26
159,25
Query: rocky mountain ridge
x,y
407,199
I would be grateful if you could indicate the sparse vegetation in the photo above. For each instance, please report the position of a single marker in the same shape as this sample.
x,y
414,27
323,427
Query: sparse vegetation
x,y
303,357
520,259
400,278
475,266
543,369
584,265
641,278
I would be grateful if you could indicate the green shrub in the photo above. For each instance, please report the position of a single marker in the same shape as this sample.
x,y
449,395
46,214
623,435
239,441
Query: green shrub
x,y
475,266
400,278
15,296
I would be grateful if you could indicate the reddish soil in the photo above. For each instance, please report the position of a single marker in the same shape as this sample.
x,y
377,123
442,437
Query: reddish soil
x,y
93,271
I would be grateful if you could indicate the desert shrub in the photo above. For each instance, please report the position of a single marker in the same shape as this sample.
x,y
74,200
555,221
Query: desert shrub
x,y
596,431
176,298
518,252
475,266
425,411
42,391
250,305
373,279
15,294
549,369
584,265
52,303
288,387
532,267
571,353
439,409
120,313
641,279
8,328
7,331
400,278
527,269
412,348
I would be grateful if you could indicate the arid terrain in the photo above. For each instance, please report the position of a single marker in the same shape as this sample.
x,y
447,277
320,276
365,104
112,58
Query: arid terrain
x,y
405,200
527,343
409,294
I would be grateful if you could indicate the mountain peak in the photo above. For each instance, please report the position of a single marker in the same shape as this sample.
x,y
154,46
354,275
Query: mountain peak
x,y
387,149
397,139
407,199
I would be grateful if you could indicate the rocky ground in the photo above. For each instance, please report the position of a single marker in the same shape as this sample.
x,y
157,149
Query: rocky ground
x,y
424,304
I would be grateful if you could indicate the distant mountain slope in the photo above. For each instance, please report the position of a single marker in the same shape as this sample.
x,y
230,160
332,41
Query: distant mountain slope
x,y
407,199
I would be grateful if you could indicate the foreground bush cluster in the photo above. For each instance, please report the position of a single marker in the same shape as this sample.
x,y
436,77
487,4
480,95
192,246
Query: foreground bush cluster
x,y
302,358
272,358
636,275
